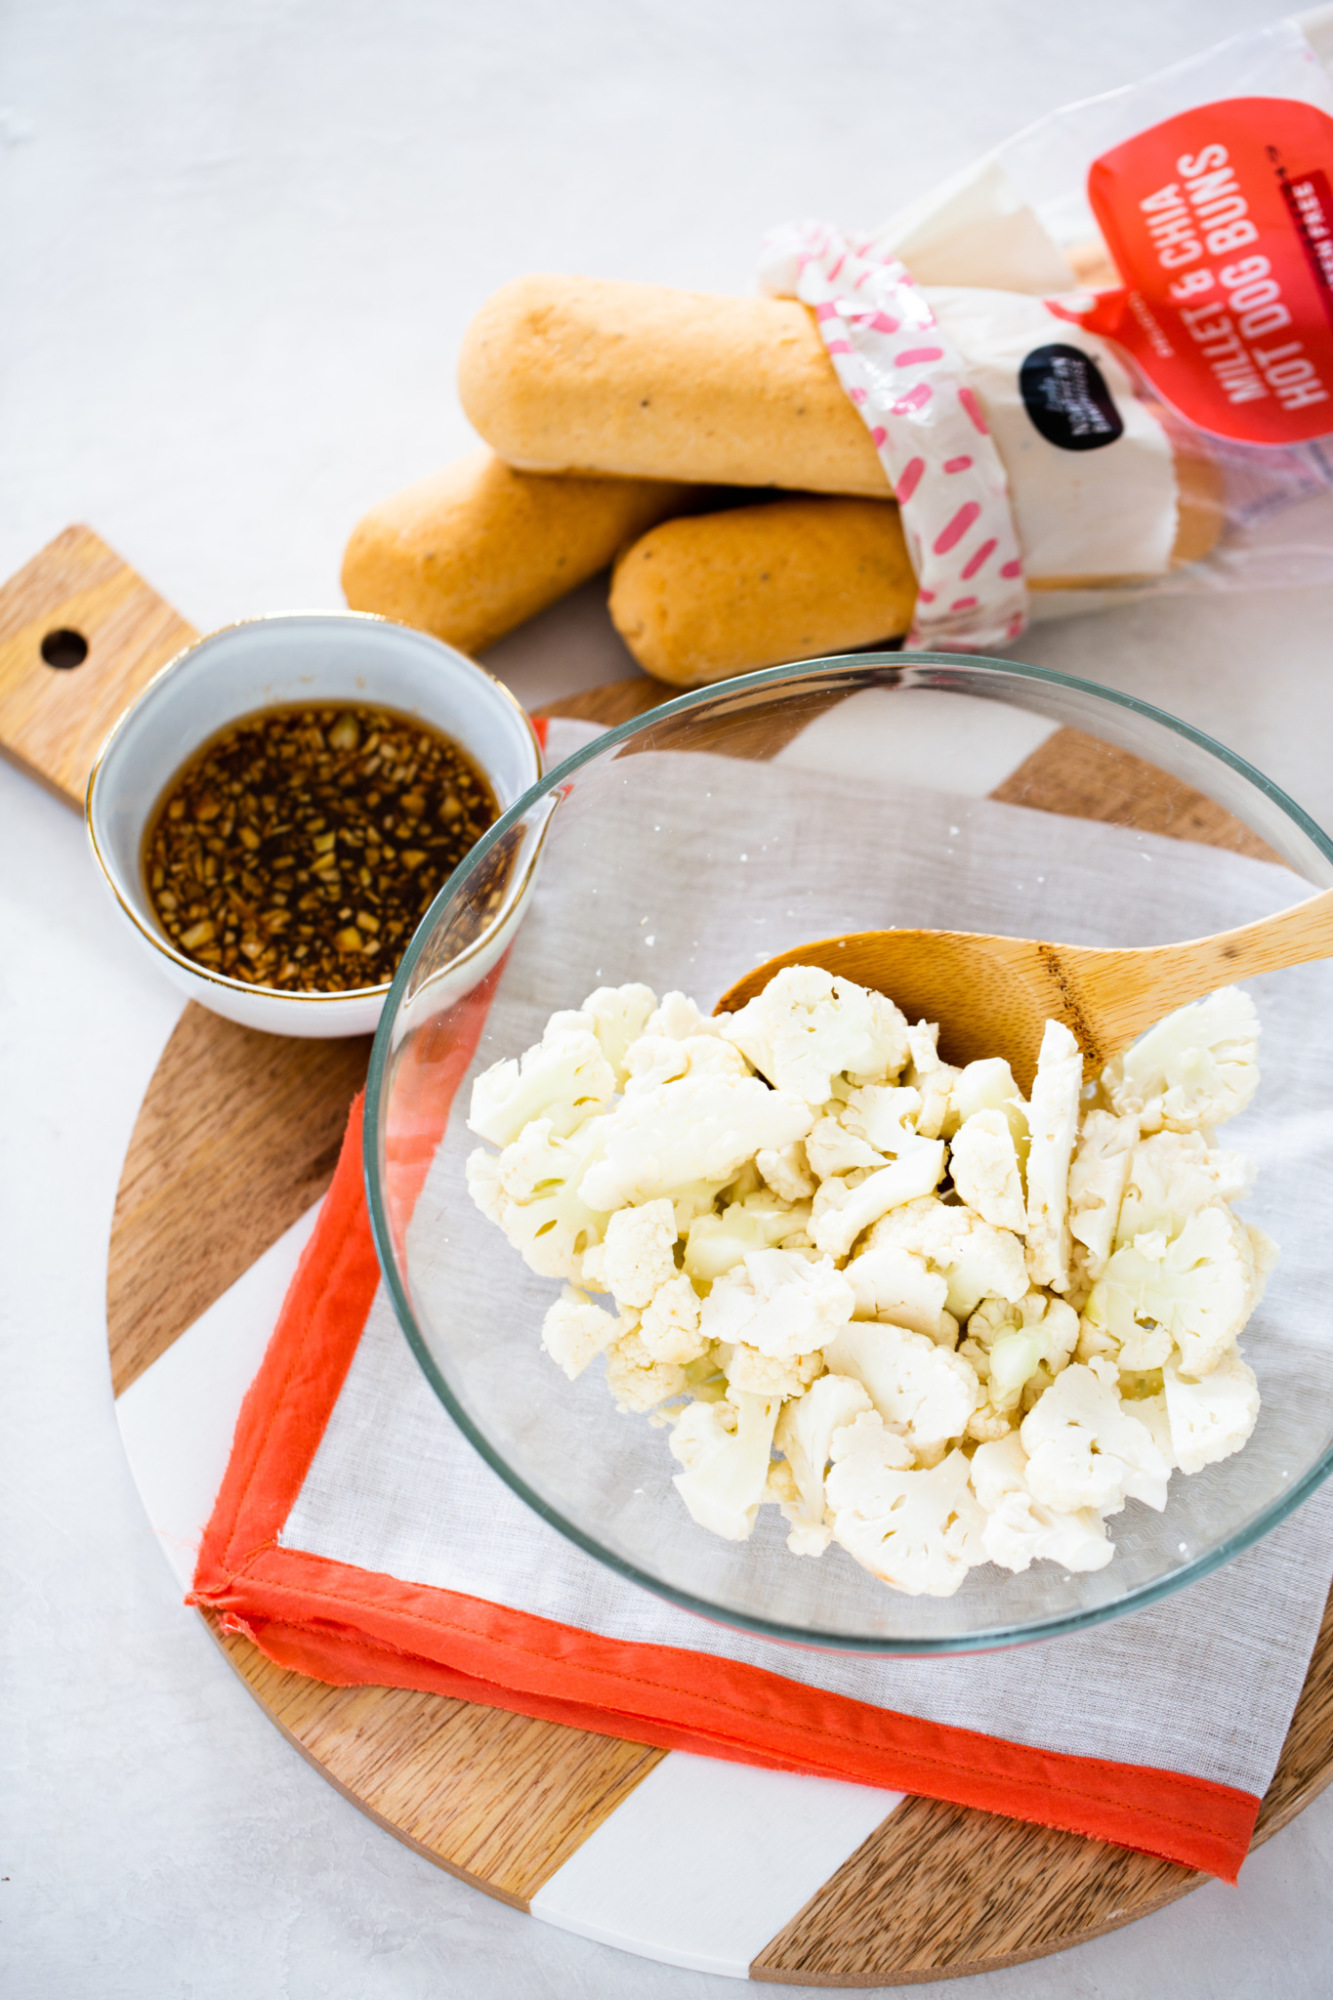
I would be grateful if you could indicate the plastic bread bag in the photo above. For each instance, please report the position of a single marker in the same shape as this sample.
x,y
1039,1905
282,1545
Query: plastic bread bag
x,y
1140,288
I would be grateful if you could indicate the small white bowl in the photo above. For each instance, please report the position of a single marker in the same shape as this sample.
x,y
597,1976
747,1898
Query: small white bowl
x,y
298,656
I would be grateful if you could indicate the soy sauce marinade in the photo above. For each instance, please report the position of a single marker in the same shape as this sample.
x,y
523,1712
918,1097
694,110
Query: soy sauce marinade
x,y
300,847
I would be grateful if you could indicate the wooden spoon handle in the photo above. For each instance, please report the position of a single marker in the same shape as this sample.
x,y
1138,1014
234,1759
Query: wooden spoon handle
x,y
1135,988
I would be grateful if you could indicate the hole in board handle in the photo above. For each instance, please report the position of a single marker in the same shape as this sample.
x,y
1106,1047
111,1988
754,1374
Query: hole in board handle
x,y
64,649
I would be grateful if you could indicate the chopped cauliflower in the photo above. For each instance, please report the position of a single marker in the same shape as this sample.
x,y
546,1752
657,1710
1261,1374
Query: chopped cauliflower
x,y
767,1375
724,1448
987,1174
975,1257
923,1391
699,1128
669,1323
779,1302
798,1208
1085,1449
807,1027
832,1149
919,1531
657,1059
564,1079
932,1079
1097,1176
844,1209
715,1243
618,1015
1019,1529
532,1191
636,1378
678,1017
575,1330
896,1284
805,1435
1053,1128
1171,1176
988,1085
1195,1069
1212,1417
1195,1293
636,1255
786,1170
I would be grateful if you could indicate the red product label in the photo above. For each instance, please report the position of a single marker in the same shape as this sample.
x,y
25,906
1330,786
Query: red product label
x,y
1221,224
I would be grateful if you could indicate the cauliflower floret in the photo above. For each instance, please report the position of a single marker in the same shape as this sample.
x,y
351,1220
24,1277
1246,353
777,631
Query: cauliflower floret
x,y
883,1114
1097,1175
843,1209
896,1284
657,1059
1086,1450
565,1078
988,1085
1212,1418
532,1192
787,1171
779,1302
805,1434
1053,1125
1196,1292
679,1018
832,1149
574,1330
618,1015
1051,1322
918,1388
983,1160
636,1378
725,1448
699,1128
1196,1068
807,1027
669,1323
636,1253
715,1244
1017,1352
975,1257
919,1531
931,1078
762,1375
1171,1176
1019,1530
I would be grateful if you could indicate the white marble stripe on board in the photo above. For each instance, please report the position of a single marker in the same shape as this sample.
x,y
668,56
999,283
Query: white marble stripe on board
x,y
177,1419
919,737
705,1861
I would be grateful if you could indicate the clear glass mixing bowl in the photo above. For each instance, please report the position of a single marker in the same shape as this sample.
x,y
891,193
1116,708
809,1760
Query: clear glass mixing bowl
x,y
840,795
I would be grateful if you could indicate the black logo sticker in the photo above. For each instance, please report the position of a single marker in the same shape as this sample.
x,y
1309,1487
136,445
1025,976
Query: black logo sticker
x,y
1065,394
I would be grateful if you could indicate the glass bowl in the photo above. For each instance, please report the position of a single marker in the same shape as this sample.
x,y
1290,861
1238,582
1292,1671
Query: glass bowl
x,y
840,795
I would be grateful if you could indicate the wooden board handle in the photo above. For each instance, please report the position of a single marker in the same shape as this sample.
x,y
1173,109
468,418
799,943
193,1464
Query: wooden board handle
x,y
80,634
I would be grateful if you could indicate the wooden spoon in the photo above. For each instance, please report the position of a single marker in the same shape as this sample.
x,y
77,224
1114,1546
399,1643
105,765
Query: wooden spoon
x,y
991,995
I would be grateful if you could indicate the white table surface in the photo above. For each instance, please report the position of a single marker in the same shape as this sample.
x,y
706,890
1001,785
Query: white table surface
x,y
241,241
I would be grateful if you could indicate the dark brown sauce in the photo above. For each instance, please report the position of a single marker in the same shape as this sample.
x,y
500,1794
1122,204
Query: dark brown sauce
x,y
300,847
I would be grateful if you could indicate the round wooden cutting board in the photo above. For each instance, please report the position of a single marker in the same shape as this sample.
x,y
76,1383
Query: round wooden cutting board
x,y
237,1139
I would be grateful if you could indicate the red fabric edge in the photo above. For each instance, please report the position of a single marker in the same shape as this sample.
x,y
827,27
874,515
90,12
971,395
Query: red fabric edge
x,y
354,1627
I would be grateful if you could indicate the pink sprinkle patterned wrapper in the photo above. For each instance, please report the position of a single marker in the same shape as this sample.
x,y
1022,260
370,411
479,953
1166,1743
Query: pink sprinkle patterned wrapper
x,y
910,386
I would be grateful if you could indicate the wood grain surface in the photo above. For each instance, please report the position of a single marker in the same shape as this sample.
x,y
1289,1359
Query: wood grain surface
x,y
498,1799
237,1136
53,721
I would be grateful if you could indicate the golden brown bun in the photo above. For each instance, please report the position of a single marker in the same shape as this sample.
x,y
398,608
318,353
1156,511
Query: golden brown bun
x,y
577,374
474,550
697,600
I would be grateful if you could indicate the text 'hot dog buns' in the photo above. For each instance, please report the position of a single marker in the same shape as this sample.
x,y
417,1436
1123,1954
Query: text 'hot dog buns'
x,y
578,374
474,550
699,599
